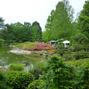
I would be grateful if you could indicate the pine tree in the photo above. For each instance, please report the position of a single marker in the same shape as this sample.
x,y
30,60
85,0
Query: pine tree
x,y
36,32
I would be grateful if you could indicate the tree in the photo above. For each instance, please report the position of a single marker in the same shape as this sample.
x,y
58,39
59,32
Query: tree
x,y
59,23
1,20
2,26
84,19
16,32
36,32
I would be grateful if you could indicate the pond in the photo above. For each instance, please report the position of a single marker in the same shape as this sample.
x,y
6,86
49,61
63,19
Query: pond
x,y
27,66
6,58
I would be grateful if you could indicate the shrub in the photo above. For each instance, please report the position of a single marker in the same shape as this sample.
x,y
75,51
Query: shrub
x,y
39,70
37,84
85,78
2,42
68,56
81,55
3,84
59,75
36,73
19,80
16,67
82,79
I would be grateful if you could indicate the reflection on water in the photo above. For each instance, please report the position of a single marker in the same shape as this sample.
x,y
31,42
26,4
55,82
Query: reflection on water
x,y
28,67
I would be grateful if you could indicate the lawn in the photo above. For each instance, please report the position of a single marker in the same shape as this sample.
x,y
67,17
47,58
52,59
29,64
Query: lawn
x,y
26,45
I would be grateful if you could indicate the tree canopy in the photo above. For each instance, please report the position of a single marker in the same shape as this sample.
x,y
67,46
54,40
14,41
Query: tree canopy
x,y
59,23
84,19
18,32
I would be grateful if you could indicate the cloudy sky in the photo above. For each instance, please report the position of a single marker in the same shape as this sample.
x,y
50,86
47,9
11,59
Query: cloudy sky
x,y
32,10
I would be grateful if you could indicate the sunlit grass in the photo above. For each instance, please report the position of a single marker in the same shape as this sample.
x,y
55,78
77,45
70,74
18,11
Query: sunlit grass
x,y
26,45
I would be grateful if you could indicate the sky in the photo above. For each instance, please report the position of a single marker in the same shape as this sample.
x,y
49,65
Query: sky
x,y
14,11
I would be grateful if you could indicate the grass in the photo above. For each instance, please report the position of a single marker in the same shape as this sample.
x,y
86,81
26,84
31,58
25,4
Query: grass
x,y
26,45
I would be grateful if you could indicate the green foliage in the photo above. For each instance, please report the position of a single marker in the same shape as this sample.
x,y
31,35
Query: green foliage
x,y
2,43
26,45
37,72
81,79
85,78
1,19
60,49
36,32
3,84
37,84
59,23
59,75
16,67
82,63
19,80
84,19
80,38
18,32
80,49
81,55
1,22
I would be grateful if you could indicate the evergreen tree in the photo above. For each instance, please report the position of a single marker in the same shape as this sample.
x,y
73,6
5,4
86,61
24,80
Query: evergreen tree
x,y
84,19
59,22
36,32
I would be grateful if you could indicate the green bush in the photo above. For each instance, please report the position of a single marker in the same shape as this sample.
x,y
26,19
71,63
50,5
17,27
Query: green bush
x,y
82,79
81,55
16,67
37,72
37,84
59,75
68,56
19,80
3,84
85,78
2,42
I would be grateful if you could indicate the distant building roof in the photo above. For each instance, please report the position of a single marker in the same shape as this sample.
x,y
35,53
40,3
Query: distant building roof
x,y
66,41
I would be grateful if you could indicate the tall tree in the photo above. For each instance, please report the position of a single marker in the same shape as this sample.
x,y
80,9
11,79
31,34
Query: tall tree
x,y
36,32
59,22
84,19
